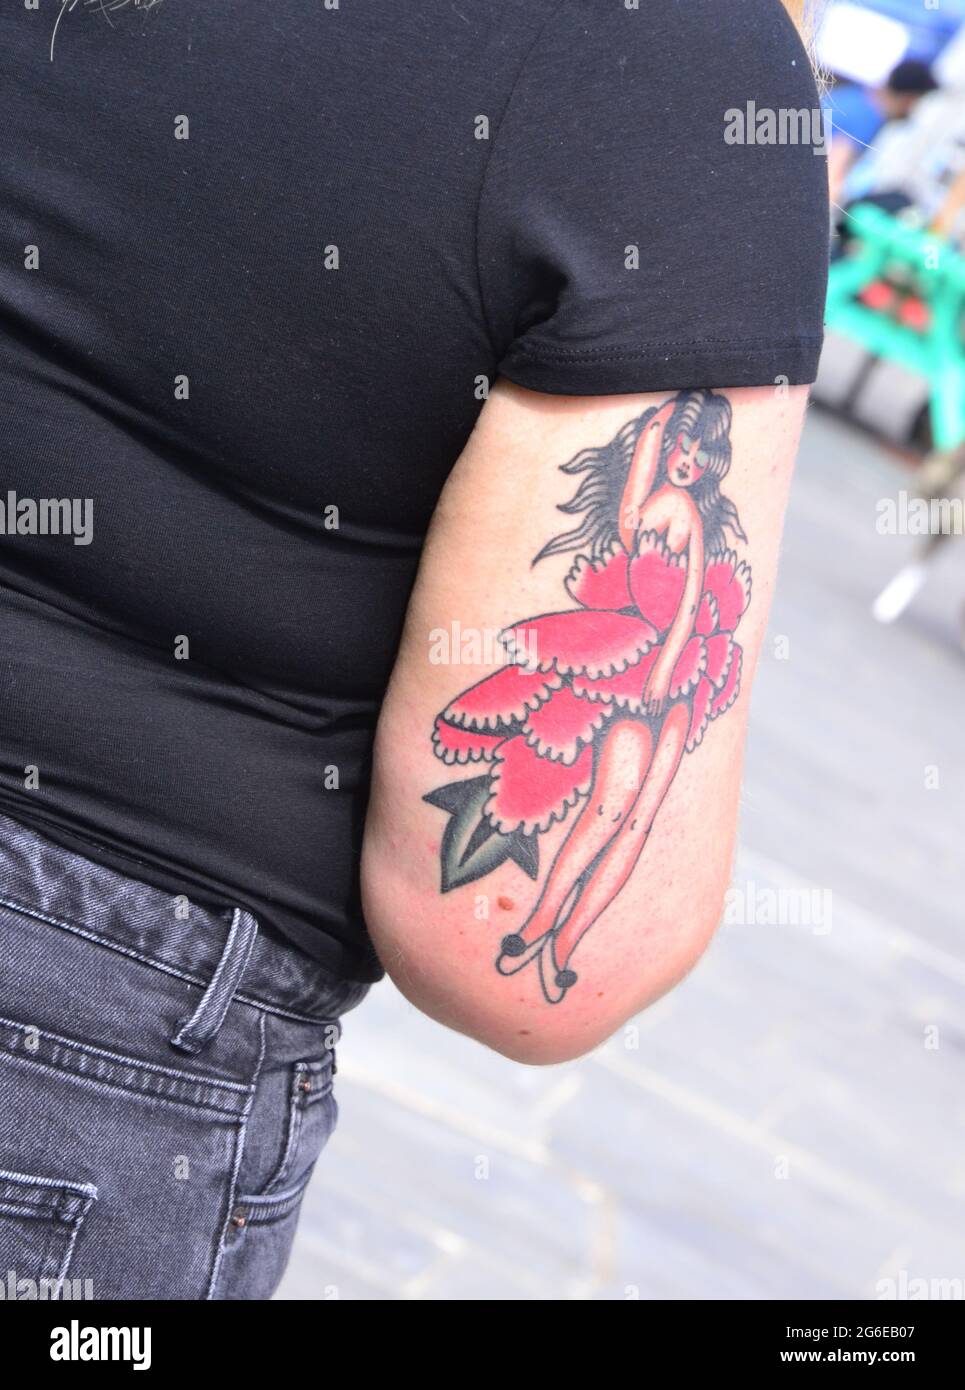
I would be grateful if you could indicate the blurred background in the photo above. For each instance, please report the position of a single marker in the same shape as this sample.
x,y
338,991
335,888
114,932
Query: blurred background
x,y
789,1122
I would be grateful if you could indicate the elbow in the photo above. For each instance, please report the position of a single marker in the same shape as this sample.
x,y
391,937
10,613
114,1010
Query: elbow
x,y
538,1040
447,972
541,1051
524,1030
446,969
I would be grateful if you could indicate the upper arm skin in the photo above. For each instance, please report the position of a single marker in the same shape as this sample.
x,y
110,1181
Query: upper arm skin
x,y
498,510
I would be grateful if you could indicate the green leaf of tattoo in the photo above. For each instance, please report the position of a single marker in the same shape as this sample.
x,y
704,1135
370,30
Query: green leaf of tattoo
x,y
471,846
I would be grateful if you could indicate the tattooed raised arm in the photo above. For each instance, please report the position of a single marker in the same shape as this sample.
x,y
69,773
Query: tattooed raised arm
x,y
643,470
568,866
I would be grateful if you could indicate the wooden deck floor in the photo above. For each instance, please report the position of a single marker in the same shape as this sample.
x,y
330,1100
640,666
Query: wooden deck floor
x,y
793,1121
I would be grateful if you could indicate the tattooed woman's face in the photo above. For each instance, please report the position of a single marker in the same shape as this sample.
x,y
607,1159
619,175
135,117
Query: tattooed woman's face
x,y
687,461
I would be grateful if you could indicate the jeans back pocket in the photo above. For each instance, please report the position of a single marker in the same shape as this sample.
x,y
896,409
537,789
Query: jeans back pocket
x,y
40,1219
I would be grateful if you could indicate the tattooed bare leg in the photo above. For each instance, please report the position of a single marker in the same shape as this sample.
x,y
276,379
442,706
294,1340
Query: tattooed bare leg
x,y
619,776
615,866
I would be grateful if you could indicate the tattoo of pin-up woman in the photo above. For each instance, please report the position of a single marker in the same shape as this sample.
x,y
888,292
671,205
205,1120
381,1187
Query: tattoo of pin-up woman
x,y
597,705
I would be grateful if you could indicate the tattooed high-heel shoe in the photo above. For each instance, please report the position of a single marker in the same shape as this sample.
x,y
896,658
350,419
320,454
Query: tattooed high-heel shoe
x,y
515,952
554,978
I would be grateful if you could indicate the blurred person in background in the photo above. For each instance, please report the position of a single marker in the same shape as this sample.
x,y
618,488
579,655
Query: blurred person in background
x,y
862,119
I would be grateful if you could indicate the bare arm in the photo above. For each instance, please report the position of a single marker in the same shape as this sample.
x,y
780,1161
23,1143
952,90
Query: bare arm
x,y
643,470
542,858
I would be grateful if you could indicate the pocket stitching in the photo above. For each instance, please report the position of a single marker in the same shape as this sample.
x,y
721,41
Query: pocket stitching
x,y
265,1208
70,1057
56,1203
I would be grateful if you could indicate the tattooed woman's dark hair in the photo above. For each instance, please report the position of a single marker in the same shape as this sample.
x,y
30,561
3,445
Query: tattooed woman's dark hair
x,y
698,414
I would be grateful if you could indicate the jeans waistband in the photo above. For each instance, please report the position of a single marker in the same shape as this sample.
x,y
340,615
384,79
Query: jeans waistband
x,y
55,885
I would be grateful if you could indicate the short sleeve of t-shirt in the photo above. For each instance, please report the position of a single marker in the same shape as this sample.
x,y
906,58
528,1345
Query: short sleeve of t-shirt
x,y
654,212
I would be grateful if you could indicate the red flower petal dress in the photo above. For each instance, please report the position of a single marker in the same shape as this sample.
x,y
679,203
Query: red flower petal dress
x,y
536,721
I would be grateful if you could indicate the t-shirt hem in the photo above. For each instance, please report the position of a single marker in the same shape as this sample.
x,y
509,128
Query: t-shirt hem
x,y
618,371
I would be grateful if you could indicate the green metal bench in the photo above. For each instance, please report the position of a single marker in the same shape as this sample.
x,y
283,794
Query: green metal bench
x,y
886,249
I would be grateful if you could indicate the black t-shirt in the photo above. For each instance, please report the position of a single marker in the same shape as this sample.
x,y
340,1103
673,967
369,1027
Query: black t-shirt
x,y
255,260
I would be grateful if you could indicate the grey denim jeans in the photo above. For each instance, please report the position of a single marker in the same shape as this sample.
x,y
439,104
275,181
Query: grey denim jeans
x,y
165,1085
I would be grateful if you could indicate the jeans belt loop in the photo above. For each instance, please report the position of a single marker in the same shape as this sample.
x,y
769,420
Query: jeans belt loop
x,y
198,1028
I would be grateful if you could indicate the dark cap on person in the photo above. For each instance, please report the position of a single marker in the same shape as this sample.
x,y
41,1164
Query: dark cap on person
x,y
911,76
